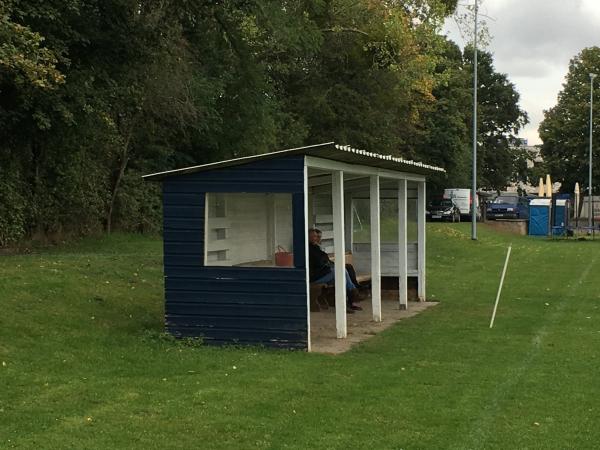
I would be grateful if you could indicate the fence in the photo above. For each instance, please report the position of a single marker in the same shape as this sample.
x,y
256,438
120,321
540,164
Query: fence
x,y
583,210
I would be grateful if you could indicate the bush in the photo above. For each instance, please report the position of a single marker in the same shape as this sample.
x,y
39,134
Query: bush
x,y
138,207
13,206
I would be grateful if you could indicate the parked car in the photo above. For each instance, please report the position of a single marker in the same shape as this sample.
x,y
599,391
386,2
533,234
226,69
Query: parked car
x,y
463,200
443,209
508,207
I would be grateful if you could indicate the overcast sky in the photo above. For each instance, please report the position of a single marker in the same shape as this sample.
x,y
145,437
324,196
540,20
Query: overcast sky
x,y
532,42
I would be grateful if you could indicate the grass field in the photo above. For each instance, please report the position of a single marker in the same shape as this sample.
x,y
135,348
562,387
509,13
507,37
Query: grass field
x,y
85,364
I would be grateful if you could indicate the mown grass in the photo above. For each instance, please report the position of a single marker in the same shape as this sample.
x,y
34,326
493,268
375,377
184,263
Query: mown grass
x,y
85,363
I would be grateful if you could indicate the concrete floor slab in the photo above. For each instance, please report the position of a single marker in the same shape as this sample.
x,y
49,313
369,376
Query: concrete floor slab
x,y
360,324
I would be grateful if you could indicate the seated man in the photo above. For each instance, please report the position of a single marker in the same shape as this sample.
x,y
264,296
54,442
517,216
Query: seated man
x,y
321,270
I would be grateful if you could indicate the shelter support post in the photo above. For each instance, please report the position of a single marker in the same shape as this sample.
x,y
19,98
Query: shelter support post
x,y
348,225
307,208
337,191
402,245
421,239
375,248
271,226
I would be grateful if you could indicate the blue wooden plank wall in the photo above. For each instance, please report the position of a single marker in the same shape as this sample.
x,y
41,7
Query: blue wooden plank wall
x,y
229,305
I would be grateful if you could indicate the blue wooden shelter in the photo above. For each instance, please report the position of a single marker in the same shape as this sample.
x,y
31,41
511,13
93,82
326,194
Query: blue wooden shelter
x,y
235,238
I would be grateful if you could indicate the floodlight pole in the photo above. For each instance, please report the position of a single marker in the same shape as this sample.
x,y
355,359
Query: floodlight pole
x,y
474,184
590,190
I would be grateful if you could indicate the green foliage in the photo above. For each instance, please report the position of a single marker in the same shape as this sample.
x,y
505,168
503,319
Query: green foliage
x,y
12,209
139,206
154,336
23,59
445,133
499,119
371,80
97,93
124,96
446,136
565,128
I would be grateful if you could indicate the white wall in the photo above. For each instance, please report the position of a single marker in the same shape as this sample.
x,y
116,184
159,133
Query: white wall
x,y
361,257
254,225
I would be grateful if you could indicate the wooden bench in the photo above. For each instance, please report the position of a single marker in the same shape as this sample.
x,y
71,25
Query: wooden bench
x,y
317,297
348,259
363,278
322,296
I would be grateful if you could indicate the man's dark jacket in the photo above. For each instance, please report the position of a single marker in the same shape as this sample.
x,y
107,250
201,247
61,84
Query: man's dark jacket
x,y
318,262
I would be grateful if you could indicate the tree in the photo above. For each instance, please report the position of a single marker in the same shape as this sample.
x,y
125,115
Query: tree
x,y
114,87
444,139
140,95
372,76
499,120
565,128
96,93
31,73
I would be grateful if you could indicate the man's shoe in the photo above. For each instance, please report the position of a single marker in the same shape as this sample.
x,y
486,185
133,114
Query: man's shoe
x,y
349,311
356,308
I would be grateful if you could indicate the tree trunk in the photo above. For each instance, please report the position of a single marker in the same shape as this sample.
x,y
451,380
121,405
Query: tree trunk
x,y
124,159
37,227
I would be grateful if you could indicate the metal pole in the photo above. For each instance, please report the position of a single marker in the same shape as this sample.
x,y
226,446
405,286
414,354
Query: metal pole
x,y
474,184
590,190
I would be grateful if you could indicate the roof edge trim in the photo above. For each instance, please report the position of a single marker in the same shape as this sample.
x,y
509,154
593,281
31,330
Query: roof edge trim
x,y
231,162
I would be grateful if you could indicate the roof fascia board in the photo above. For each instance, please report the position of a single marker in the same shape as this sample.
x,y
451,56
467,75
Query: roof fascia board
x,y
329,164
232,162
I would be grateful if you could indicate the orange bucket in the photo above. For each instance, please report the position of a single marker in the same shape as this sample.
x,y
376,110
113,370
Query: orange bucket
x,y
283,258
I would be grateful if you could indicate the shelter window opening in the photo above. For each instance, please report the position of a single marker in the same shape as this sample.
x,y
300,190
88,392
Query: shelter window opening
x,y
249,230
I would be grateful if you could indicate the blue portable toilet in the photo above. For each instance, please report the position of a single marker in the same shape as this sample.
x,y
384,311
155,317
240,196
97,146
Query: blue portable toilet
x,y
539,217
561,216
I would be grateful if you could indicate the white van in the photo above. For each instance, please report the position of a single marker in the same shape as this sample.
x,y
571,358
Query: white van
x,y
462,199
